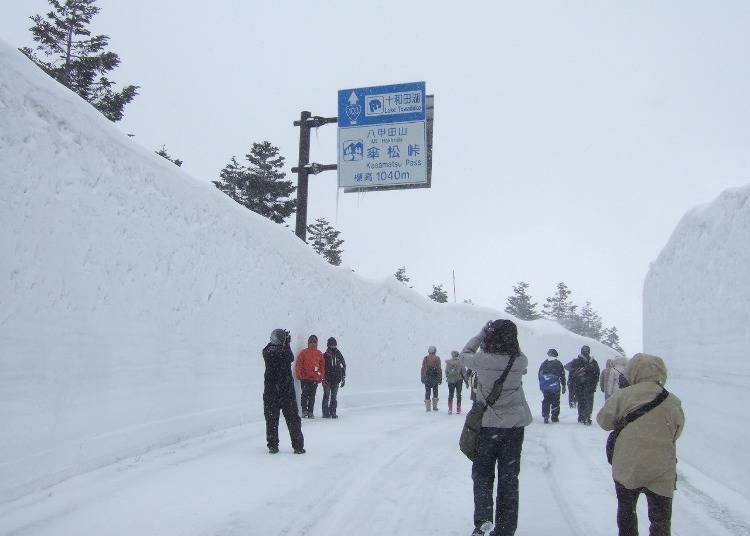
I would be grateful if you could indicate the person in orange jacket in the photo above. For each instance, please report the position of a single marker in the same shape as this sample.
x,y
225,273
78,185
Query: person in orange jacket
x,y
310,370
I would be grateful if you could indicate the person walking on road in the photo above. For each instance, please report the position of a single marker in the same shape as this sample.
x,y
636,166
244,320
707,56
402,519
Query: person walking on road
x,y
644,459
432,376
278,393
335,377
585,373
613,377
551,382
489,354
455,376
310,371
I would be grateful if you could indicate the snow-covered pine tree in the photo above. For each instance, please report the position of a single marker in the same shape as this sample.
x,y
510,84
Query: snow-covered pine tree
x,y
438,294
164,154
325,240
260,186
559,306
591,322
76,59
520,304
611,338
401,275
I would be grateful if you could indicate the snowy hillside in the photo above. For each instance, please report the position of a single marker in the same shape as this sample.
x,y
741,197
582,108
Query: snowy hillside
x,y
134,299
697,314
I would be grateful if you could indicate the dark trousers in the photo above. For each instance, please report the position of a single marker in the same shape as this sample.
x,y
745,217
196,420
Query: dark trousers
x,y
498,448
286,403
585,397
457,387
551,401
427,392
330,390
659,511
572,396
309,387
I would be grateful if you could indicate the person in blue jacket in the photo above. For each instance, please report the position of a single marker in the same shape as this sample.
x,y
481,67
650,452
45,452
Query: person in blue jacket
x,y
551,383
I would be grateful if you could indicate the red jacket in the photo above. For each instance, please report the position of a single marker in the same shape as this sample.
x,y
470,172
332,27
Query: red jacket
x,y
310,364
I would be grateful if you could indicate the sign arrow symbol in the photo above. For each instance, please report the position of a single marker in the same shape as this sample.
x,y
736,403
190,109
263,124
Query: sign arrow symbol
x,y
353,99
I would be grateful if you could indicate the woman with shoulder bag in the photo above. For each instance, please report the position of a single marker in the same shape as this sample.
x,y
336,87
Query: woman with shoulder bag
x,y
495,356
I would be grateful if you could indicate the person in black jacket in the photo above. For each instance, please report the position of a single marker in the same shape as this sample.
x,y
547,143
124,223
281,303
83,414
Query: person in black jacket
x,y
335,376
551,381
278,393
584,371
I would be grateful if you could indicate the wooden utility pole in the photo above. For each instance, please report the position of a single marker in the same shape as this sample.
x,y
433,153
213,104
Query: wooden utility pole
x,y
304,168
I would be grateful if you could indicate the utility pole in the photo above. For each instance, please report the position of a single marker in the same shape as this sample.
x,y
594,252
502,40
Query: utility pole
x,y
454,286
304,169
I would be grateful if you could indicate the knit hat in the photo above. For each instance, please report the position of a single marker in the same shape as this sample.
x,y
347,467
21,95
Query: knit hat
x,y
552,352
432,350
312,338
331,341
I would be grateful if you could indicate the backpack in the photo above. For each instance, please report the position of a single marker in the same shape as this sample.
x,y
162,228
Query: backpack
x,y
453,375
549,383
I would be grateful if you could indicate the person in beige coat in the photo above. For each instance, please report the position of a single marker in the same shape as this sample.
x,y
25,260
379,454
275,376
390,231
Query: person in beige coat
x,y
645,456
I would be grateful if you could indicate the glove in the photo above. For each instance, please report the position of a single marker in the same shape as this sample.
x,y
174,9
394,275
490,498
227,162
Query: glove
x,y
343,381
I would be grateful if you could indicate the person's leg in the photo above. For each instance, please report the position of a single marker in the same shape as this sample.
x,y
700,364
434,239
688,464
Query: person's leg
x,y
581,402
427,390
334,399
435,398
545,406
627,518
659,514
483,476
313,390
459,388
326,398
293,422
271,413
508,466
451,389
555,405
304,384
589,404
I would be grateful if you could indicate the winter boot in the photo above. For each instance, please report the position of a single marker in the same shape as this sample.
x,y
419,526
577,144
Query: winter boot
x,y
450,407
483,529
458,406
546,420
299,451
434,404
427,405
273,450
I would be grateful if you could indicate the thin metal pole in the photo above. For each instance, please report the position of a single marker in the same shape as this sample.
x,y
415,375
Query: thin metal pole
x,y
302,174
454,286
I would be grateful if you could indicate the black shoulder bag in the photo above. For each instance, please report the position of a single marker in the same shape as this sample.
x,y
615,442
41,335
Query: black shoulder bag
x,y
469,440
630,417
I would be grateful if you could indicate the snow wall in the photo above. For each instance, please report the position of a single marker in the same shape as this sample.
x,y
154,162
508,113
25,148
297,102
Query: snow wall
x,y
135,300
696,314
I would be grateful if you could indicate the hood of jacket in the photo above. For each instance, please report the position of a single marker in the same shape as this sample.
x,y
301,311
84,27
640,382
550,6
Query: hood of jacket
x,y
646,368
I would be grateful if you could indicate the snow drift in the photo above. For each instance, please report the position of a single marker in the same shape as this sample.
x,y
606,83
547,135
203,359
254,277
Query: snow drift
x,y
697,315
135,300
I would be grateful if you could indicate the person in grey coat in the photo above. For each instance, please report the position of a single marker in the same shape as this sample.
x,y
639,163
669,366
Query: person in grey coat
x,y
501,438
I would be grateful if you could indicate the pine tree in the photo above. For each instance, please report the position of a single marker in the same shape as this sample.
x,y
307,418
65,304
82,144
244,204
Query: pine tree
x,y
325,240
401,275
260,186
591,322
438,294
76,59
611,338
520,305
559,306
164,154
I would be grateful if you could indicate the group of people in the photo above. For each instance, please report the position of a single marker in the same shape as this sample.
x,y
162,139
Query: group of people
x,y
312,367
645,419
456,376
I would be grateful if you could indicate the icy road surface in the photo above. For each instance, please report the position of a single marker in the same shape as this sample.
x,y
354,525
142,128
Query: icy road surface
x,y
377,470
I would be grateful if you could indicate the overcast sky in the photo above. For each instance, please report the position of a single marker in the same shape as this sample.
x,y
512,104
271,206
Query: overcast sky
x,y
570,137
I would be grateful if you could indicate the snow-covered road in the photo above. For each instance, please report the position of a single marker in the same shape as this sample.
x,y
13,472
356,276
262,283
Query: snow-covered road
x,y
390,469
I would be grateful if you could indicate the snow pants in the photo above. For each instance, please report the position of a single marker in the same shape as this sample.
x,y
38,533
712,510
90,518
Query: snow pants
x,y
309,387
428,388
551,401
585,398
499,448
457,387
330,390
275,402
659,511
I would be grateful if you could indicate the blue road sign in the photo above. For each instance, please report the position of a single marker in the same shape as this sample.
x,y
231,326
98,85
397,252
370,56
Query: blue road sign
x,y
379,105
